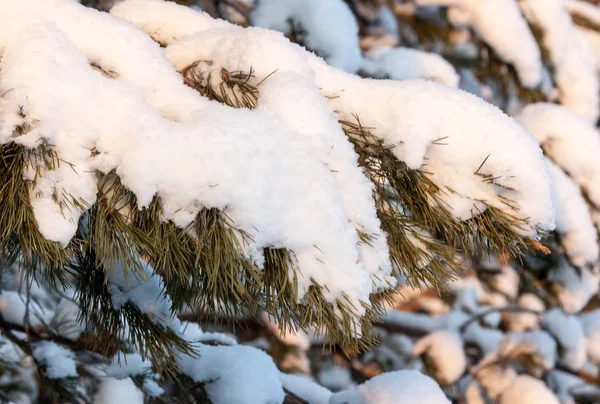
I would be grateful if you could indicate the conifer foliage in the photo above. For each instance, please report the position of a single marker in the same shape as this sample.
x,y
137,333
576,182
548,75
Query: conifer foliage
x,y
162,168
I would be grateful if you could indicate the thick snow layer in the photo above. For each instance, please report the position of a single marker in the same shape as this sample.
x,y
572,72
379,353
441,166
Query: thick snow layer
x,y
571,55
527,390
307,216
305,191
112,391
235,374
407,63
574,287
304,388
475,131
409,115
445,350
569,334
326,27
58,361
574,222
500,25
399,387
571,142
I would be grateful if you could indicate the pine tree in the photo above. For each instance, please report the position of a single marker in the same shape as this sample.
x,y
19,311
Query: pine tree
x,y
160,168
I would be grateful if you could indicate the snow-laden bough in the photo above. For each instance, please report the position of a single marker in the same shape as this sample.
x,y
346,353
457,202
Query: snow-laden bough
x,y
281,176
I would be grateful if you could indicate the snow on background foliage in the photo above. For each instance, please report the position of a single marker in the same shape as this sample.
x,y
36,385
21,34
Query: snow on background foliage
x,y
286,174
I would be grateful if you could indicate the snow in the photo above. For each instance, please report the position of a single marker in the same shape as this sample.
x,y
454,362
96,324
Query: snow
x,y
591,326
501,25
234,374
571,142
571,56
487,339
407,63
538,346
495,379
305,389
13,309
523,321
126,365
326,27
526,390
507,282
145,291
399,387
402,114
573,287
335,378
152,389
316,205
58,361
568,332
8,351
412,114
309,205
112,390
444,349
65,320
574,223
